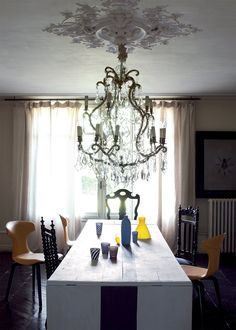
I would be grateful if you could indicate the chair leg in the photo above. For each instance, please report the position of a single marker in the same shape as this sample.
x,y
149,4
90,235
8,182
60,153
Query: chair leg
x,y
13,267
217,290
33,279
39,285
200,289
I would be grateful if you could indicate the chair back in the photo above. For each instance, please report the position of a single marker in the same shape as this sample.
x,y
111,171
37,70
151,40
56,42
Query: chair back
x,y
122,195
18,231
212,246
65,229
49,248
187,239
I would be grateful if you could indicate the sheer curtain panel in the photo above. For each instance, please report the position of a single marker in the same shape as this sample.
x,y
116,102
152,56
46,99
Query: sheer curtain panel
x,y
49,150
177,183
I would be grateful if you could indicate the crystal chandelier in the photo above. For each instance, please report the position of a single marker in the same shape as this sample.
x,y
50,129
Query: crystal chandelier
x,y
122,137
118,138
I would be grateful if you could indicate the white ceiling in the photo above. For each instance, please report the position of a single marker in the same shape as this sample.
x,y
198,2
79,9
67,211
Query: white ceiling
x,y
33,62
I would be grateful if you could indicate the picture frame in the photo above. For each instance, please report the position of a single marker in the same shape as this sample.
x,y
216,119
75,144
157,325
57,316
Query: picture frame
x,y
215,164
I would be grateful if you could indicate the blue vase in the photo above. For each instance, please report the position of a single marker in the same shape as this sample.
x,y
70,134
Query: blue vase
x,y
125,231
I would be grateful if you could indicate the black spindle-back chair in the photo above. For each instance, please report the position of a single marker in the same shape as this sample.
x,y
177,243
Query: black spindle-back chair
x,y
49,248
187,240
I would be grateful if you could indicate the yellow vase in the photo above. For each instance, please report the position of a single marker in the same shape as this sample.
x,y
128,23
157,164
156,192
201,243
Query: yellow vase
x,y
142,229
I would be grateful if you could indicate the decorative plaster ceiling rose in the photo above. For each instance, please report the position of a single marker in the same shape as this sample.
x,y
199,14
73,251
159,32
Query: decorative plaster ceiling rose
x,y
117,22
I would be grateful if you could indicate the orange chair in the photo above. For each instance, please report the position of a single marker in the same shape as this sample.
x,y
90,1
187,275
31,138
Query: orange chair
x,y
65,223
19,231
198,274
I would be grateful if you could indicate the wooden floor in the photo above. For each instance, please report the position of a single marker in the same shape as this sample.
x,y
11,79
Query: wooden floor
x,y
22,311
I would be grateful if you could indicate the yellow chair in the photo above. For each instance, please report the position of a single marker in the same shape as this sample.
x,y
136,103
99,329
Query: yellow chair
x,y
197,274
65,223
19,231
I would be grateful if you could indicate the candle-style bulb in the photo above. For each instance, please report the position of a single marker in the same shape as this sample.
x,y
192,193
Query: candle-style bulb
x,y
147,103
109,98
153,135
151,107
79,133
97,128
162,132
97,132
162,135
86,103
117,129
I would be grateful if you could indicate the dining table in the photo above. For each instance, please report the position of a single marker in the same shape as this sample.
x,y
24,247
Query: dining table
x,y
144,288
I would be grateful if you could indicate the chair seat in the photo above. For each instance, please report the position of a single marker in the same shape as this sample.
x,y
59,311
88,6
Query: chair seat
x,y
183,261
70,243
29,258
194,272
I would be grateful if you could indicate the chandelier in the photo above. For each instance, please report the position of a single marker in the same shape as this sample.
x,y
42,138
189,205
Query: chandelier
x,y
123,137
118,138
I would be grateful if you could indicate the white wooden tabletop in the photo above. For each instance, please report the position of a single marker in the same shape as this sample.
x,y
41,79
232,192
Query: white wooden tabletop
x,y
147,262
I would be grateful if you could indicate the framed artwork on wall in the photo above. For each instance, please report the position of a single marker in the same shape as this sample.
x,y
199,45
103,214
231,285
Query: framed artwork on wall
x,y
215,164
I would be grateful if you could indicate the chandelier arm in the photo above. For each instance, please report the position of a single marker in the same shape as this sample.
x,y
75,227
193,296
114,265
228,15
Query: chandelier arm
x,y
109,113
133,100
109,70
145,157
158,148
94,109
96,147
136,72
141,112
107,153
80,147
89,118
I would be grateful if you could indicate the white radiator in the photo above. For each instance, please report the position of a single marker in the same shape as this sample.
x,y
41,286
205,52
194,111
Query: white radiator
x,y
222,219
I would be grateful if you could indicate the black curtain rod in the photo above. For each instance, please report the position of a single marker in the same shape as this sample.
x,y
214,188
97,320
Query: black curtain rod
x,y
92,99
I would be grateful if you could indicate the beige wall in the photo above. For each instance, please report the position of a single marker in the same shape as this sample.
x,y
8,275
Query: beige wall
x,y
211,114
5,170
217,114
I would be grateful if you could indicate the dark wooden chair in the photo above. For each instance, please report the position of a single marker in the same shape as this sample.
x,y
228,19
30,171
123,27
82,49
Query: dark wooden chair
x,y
122,195
187,239
52,258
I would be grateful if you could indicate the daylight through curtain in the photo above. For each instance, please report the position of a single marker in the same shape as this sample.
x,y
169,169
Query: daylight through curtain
x,y
176,185
49,149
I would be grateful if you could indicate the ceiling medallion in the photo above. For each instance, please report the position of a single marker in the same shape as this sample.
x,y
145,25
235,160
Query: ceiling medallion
x,y
116,22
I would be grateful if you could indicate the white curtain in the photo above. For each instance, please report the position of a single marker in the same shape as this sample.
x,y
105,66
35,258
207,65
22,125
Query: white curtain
x,y
161,195
45,145
20,160
176,185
